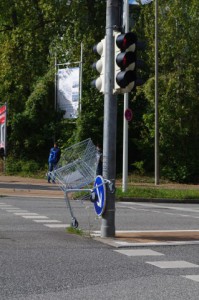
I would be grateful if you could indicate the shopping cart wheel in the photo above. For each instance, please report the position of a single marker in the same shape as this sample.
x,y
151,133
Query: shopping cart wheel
x,y
74,223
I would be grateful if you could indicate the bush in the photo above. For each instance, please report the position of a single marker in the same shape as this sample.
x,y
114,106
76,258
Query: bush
x,y
14,167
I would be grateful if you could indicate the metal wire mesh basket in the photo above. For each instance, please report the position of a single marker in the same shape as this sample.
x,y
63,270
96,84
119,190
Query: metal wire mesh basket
x,y
77,166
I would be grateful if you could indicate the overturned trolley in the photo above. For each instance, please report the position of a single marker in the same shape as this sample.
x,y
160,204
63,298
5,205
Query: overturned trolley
x,y
76,171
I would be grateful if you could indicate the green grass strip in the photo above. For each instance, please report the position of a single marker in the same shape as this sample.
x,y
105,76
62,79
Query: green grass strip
x,y
148,193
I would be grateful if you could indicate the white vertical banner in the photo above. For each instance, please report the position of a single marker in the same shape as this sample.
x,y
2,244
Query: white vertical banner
x,y
68,91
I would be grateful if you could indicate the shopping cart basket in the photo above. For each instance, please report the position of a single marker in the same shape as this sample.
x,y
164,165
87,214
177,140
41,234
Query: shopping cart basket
x,y
76,171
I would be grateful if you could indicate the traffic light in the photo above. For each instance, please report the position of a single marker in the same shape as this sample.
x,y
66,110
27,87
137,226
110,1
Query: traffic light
x,y
126,62
99,66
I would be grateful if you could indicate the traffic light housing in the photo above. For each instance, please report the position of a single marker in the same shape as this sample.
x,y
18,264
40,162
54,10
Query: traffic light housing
x,y
99,66
126,62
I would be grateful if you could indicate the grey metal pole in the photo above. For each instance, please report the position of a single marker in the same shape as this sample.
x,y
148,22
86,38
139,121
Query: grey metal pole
x,y
126,104
156,98
55,82
5,146
110,118
80,81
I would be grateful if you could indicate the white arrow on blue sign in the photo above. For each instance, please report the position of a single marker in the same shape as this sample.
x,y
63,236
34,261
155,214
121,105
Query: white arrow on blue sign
x,y
100,191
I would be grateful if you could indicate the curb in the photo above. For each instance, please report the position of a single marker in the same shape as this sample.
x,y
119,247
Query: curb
x,y
148,238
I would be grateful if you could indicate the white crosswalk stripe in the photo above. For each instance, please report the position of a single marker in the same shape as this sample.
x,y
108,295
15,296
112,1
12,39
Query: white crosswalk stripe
x,y
176,264
139,252
192,277
30,216
57,225
47,221
25,214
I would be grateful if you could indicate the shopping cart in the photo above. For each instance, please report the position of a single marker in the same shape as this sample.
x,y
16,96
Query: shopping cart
x,y
76,172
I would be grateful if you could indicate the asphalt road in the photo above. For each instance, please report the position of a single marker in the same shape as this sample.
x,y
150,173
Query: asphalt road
x,y
39,259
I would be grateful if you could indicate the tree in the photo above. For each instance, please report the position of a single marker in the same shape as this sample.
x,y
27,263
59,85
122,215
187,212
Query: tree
x,y
178,91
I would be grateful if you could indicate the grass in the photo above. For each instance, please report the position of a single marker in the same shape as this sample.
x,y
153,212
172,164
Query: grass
x,y
151,192
144,187
73,230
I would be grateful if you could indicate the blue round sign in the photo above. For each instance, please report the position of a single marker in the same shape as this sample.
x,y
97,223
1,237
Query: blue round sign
x,y
100,192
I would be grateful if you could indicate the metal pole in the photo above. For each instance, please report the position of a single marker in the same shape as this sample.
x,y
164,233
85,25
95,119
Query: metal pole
x,y
110,118
55,82
5,146
6,121
156,98
126,103
80,81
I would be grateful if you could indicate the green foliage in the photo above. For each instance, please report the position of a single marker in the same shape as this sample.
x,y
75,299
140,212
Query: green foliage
x,y
157,193
32,32
177,89
73,230
14,167
139,166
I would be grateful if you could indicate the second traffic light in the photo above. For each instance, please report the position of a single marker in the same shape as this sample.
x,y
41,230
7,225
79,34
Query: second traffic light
x,y
125,62
99,66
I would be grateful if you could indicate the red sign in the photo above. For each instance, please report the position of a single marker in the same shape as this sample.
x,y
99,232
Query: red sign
x,y
128,114
2,109
2,118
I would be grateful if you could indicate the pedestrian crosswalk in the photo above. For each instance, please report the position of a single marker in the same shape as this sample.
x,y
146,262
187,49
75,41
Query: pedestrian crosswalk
x,y
44,220
162,264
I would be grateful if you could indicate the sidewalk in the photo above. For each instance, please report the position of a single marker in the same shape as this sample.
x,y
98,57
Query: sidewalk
x,y
28,187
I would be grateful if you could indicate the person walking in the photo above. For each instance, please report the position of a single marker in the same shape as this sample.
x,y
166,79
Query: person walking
x,y
53,159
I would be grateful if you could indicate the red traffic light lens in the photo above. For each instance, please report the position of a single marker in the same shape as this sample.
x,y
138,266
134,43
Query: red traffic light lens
x,y
124,41
125,59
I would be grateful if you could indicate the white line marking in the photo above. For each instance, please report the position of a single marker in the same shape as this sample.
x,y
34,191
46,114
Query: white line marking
x,y
192,277
16,209
47,221
139,252
57,225
186,209
34,217
178,264
25,214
